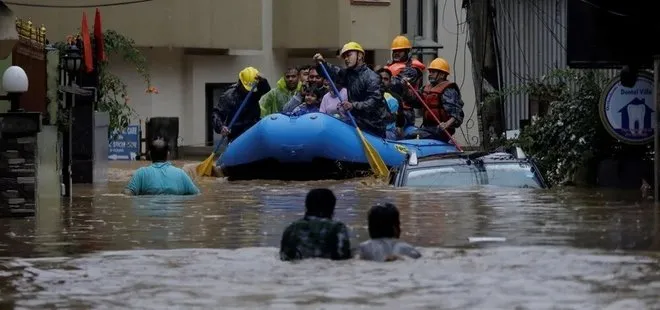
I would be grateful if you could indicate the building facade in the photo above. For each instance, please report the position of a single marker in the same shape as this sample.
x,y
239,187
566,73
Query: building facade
x,y
531,37
197,47
439,29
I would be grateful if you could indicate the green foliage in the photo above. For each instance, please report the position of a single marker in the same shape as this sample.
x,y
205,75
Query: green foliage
x,y
571,135
113,92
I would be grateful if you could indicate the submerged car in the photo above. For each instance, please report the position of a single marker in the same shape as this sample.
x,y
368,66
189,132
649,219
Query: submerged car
x,y
507,168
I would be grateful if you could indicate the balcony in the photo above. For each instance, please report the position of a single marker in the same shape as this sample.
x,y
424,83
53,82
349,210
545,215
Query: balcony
x,y
372,23
305,24
164,23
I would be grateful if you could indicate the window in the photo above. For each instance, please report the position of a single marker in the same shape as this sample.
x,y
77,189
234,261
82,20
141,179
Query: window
x,y
508,174
448,176
512,175
404,16
435,21
420,17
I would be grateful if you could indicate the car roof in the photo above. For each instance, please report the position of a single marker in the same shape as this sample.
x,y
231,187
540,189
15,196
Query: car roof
x,y
461,158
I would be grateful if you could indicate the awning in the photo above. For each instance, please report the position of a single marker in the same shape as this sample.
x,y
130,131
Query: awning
x,y
8,34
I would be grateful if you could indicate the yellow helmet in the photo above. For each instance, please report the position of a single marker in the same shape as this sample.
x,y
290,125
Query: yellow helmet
x,y
247,77
439,64
351,46
401,43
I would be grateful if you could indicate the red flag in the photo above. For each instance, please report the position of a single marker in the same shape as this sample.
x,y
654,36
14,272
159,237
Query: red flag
x,y
87,45
98,37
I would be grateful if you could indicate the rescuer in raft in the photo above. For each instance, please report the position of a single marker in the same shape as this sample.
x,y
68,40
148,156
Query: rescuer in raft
x,y
443,98
402,62
365,100
231,100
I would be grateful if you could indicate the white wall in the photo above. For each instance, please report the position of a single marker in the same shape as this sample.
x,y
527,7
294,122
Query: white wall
x,y
181,82
454,39
166,69
452,34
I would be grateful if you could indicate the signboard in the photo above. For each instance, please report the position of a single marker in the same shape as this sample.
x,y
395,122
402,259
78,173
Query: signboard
x,y
628,114
126,145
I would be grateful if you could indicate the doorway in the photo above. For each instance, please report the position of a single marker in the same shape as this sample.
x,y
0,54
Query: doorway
x,y
213,92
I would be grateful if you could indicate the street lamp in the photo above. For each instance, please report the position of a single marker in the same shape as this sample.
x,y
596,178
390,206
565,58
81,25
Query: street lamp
x,y
15,83
71,61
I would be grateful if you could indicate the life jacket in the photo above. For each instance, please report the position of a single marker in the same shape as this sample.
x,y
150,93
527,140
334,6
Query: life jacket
x,y
396,68
432,96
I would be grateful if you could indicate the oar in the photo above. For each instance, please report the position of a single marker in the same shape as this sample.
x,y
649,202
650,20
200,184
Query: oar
x,y
412,89
206,167
375,161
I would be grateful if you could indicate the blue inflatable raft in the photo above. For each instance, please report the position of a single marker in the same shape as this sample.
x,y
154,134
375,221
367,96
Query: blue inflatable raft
x,y
313,146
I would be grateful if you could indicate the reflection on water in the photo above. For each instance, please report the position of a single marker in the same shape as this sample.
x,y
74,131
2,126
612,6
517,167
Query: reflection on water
x,y
109,250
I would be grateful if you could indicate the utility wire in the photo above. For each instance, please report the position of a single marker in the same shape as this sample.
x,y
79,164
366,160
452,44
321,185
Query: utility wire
x,y
54,6
604,9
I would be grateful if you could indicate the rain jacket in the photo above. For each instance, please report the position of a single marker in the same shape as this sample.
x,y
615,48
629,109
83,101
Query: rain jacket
x,y
370,111
230,101
276,98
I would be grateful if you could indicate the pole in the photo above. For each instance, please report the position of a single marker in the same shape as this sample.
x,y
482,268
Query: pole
x,y
15,101
656,131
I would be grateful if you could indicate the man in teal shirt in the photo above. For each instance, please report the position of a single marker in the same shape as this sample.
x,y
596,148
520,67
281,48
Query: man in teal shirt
x,y
160,178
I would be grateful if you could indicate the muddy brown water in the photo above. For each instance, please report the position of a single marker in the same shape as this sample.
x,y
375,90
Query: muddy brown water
x,y
564,249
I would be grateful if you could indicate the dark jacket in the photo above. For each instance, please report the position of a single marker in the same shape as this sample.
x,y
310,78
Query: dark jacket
x,y
370,110
230,101
315,237
401,91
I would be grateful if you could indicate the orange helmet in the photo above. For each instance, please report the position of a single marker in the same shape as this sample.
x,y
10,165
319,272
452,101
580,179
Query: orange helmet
x,y
401,43
439,64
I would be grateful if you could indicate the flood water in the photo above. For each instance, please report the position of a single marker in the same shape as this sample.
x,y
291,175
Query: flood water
x,y
564,249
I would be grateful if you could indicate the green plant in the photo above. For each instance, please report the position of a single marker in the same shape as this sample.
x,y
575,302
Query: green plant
x,y
113,92
571,136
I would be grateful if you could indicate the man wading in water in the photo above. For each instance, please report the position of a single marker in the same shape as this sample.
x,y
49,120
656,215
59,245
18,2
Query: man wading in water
x,y
384,231
160,178
316,235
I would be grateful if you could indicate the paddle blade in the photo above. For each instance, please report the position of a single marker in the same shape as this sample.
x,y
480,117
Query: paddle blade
x,y
375,161
206,167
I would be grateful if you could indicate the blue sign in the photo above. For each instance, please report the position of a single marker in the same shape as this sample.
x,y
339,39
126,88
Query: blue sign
x,y
126,145
628,113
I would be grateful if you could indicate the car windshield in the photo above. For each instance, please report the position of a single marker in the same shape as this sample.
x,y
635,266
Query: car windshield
x,y
496,174
447,176
512,175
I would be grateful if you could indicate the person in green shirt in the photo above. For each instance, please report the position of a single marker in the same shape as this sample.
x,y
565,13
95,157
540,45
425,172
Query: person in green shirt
x,y
274,100
161,177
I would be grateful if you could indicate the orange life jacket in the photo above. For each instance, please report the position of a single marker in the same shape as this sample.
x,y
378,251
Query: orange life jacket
x,y
396,67
432,95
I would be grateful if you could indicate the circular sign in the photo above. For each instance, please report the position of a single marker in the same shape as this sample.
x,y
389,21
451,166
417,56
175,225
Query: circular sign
x,y
628,114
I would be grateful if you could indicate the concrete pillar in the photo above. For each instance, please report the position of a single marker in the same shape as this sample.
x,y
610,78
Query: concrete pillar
x,y
268,66
412,18
429,12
